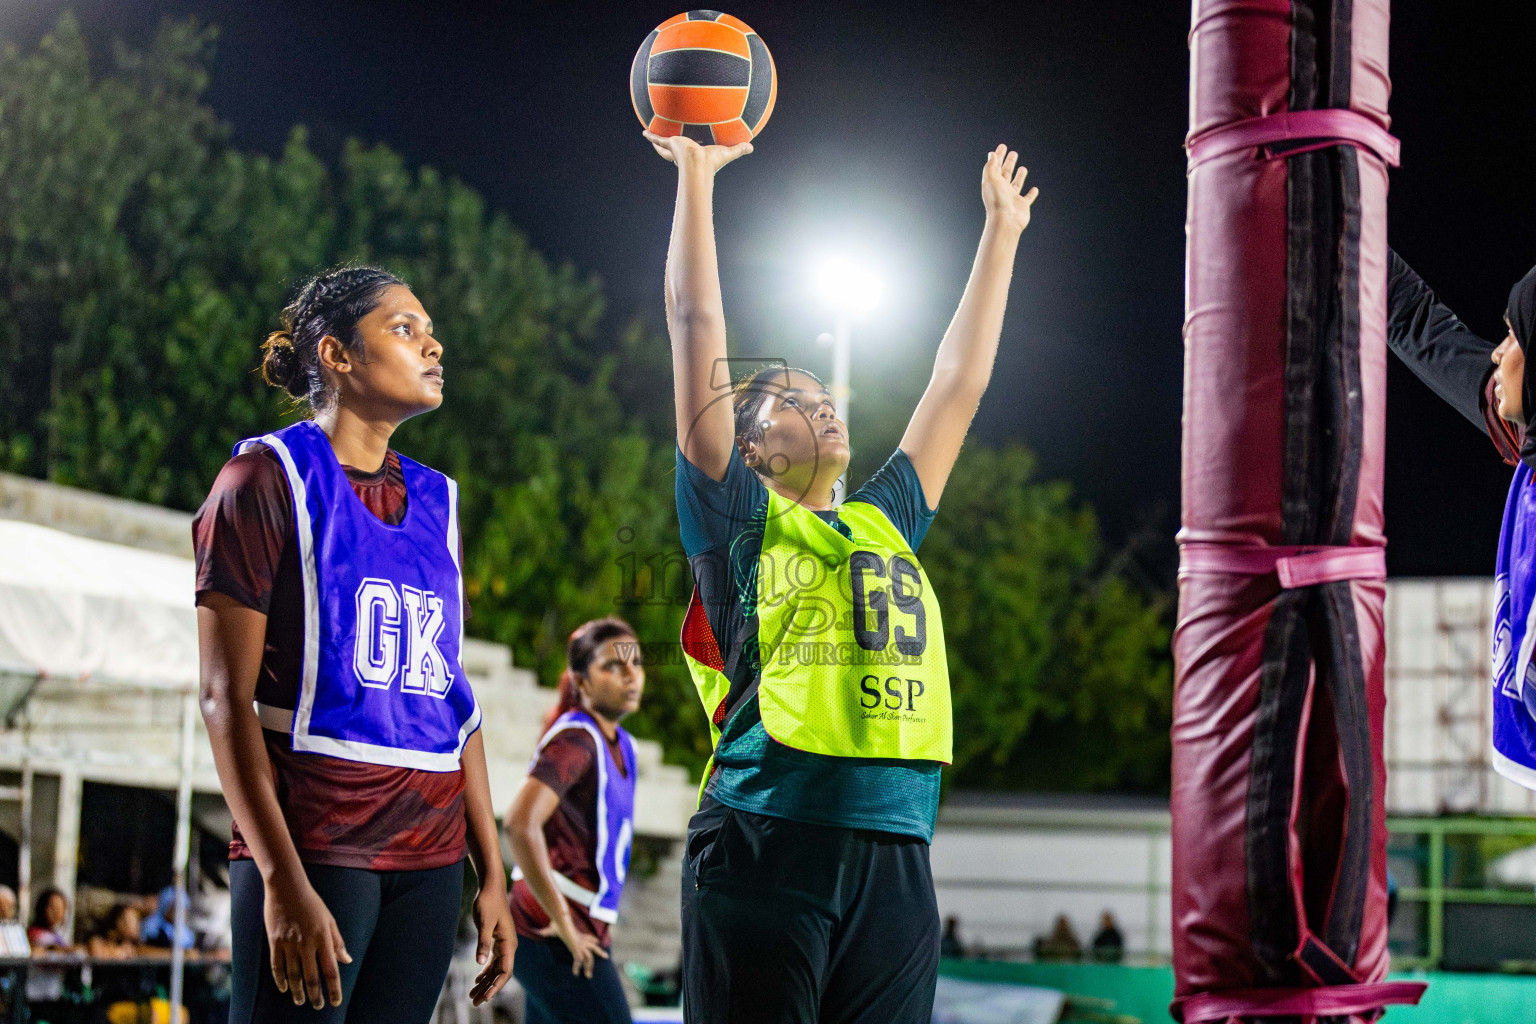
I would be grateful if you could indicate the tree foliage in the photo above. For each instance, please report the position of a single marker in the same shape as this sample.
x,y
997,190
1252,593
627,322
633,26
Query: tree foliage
x,y
143,256
1061,673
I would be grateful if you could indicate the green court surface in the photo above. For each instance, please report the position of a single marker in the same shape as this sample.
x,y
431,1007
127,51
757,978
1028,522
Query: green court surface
x,y
1145,992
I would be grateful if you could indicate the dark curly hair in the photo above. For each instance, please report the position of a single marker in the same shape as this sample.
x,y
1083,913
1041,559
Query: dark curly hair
x,y
330,303
748,392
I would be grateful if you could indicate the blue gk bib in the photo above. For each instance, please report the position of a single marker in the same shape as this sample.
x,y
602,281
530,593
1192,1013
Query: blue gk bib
x,y
615,819
1514,635
383,615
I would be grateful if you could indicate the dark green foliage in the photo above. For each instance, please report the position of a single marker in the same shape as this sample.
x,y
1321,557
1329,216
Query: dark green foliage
x,y
1061,673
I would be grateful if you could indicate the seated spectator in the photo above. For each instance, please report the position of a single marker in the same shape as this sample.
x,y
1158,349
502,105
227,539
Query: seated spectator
x,y
46,932
121,939
950,945
13,937
1108,944
161,924
208,916
45,985
1061,944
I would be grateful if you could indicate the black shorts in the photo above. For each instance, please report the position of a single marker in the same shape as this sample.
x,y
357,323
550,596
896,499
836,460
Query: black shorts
x,y
399,927
790,923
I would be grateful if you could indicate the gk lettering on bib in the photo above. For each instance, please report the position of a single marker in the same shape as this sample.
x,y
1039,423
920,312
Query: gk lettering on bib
x,y
383,615
850,638
378,645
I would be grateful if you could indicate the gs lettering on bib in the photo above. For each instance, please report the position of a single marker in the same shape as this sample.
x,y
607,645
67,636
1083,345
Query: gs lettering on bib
x,y
383,615
851,642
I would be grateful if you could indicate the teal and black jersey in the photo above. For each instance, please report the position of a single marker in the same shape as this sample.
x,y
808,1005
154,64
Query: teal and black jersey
x,y
722,530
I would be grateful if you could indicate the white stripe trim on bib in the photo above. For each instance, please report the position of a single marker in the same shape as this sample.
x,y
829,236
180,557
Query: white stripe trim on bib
x,y
350,750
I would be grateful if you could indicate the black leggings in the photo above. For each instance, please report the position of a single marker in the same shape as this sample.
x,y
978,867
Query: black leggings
x,y
399,927
556,996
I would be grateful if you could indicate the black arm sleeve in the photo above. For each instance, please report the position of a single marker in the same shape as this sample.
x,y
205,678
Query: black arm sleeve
x,y
1439,349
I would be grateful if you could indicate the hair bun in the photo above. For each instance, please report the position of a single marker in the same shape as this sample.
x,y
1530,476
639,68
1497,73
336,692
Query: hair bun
x,y
330,304
281,367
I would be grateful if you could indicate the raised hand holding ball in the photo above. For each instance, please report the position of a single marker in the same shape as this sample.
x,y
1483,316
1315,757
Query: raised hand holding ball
x,y
705,76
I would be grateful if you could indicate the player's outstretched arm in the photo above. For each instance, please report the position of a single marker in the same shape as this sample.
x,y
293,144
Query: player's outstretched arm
x,y
1433,342
695,309
963,365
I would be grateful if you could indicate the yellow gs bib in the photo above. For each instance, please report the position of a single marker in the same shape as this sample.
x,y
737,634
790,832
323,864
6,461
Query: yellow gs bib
x,y
850,638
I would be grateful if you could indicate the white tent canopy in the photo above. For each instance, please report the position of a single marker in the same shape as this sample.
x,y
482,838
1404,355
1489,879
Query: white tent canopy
x,y
76,608
73,608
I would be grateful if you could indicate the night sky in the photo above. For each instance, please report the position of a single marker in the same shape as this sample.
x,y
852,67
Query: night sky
x,y
884,116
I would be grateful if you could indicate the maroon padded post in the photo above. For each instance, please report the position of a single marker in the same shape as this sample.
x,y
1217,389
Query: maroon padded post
x,y
1279,834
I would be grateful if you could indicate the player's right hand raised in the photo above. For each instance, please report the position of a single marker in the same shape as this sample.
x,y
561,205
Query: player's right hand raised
x,y
304,941
689,155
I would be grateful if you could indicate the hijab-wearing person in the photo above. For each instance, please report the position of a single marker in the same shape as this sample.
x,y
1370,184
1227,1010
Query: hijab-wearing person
x,y
1492,386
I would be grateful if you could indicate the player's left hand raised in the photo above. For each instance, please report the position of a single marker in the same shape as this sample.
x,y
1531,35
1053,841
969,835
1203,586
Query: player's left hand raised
x,y
498,943
1002,190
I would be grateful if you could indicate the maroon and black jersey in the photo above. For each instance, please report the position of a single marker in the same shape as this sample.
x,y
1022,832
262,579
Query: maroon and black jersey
x,y
568,765
341,813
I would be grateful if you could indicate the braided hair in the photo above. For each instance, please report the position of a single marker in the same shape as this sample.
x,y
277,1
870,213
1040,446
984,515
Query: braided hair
x,y
330,303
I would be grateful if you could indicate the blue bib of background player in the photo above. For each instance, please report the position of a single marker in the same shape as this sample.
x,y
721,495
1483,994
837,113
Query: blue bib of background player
x,y
1514,634
383,615
615,819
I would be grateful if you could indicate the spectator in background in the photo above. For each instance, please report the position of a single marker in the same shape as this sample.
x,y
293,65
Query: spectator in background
x,y
950,944
120,941
208,916
13,937
49,913
1061,944
45,985
1108,944
161,924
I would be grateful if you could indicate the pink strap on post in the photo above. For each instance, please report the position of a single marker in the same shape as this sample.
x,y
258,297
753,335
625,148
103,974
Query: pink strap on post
x,y
1296,566
1331,1001
1330,126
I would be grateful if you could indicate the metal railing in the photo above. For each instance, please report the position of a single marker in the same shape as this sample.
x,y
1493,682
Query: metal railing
x,y
1430,843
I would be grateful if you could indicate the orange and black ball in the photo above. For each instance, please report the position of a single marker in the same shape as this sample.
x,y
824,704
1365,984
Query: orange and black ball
x,y
705,75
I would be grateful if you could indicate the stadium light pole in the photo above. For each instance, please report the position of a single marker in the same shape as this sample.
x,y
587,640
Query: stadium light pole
x,y
852,290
